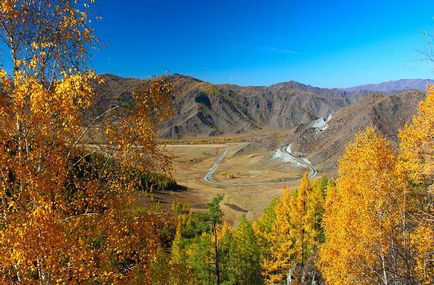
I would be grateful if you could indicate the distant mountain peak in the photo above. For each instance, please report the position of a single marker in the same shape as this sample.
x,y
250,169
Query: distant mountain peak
x,y
178,76
394,86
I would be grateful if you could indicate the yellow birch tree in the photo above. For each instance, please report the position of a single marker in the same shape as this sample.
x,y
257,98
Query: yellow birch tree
x,y
65,215
366,217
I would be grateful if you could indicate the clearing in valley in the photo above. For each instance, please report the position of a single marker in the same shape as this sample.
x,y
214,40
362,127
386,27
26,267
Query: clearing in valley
x,y
249,176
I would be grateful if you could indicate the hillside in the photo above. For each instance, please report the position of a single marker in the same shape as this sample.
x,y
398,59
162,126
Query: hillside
x,y
387,114
299,112
208,109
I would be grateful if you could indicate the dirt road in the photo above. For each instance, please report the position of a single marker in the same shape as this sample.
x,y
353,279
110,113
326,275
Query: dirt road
x,y
209,179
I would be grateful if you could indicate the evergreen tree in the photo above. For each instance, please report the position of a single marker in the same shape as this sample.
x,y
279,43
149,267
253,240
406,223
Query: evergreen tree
x,y
245,256
216,214
200,259
225,241
263,227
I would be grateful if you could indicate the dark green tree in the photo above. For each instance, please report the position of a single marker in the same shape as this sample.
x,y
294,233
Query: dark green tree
x,y
216,214
245,256
201,260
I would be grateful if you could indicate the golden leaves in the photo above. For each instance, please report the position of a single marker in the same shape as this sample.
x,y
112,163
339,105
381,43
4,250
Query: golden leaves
x,y
417,142
65,207
423,243
67,214
375,221
3,73
46,36
292,233
360,213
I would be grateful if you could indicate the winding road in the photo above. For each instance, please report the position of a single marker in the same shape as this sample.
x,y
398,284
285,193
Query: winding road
x,y
312,170
208,177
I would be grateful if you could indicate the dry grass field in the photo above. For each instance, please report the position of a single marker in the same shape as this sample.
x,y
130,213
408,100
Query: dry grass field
x,y
253,167
248,177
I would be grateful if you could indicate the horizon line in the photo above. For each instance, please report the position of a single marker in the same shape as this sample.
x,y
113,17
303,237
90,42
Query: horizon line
x,y
279,82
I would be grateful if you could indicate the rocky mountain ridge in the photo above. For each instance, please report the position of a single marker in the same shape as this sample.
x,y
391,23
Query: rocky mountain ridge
x,y
205,109
318,122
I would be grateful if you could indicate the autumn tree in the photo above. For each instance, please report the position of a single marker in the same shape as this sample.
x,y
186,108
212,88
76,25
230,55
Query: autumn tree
x,y
180,269
359,216
65,207
277,264
416,161
201,251
366,218
226,240
177,250
202,245
295,234
417,143
201,260
238,254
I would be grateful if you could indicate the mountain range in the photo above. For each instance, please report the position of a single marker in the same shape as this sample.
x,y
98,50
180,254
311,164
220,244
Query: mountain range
x,y
206,109
394,86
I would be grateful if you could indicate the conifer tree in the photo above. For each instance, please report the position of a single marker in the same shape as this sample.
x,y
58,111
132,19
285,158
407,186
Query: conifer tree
x,y
301,222
201,259
216,214
295,234
177,250
263,227
264,224
276,265
179,269
225,241
244,261
316,199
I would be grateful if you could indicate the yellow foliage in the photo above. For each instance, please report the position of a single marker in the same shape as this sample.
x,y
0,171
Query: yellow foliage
x,y
373,232
417,142
177,252
360,212
423,243
294,236
66,209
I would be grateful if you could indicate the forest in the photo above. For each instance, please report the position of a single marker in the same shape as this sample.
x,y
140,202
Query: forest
x,y
68,212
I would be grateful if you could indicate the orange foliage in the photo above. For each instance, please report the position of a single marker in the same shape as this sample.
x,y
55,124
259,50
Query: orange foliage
x,y
417,142
66,212
373,232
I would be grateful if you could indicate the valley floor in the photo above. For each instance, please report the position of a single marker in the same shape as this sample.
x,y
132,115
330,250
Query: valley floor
x,y
248,176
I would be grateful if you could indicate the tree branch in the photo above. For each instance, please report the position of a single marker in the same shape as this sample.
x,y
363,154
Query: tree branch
x,y
91,124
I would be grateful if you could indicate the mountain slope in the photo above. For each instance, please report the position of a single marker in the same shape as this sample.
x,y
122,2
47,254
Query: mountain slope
x,y
301,112
208,109
386,113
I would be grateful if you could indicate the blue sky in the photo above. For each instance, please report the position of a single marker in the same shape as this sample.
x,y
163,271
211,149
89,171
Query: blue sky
x,y
261,42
